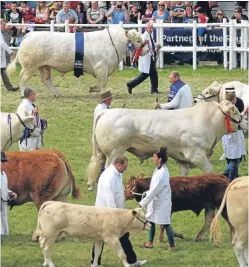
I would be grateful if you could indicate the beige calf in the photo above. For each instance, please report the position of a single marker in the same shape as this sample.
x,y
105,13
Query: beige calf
x,y
102,224
236,201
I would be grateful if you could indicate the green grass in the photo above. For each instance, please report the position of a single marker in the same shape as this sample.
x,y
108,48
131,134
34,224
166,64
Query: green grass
x,y
69,130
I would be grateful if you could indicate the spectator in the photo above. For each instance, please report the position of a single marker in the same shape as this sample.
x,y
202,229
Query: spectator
x,y
14,16
238,15
27,16
162,13
135,15
119,13
202,18
3,9
189,18
5,48
204,5
6,195
95,15
148,12
67,14
220,15
180,94
80,10
32,142
73,4
177,12
42,12
54,10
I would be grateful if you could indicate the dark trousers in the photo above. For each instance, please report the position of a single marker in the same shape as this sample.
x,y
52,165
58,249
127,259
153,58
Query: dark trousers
x,y
232,169
127,247
143,76
5,79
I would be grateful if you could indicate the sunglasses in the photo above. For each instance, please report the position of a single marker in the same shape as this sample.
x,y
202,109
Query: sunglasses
x,y
220,14
161,5
148,3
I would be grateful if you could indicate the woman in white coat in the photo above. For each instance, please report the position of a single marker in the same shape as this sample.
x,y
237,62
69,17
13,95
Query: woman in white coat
x,y
5,196
158,199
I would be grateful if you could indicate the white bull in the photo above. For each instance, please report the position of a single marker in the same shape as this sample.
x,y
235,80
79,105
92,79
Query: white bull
x,y
12,127
103,224
189,134
216,92
236,202
44,51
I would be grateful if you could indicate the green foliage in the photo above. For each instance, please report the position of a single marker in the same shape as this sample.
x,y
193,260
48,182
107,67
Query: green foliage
x,y
70,121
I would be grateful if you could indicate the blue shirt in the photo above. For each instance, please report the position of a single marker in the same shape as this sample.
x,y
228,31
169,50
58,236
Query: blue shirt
x,y
176,8
164,17
118,16
189,19
61,16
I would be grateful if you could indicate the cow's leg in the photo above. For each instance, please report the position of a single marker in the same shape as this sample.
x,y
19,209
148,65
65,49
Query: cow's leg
x,y
183,169
47,81
246,253
25,76
225,216
239,248
47,244
101,74
204,164
98,247
116,246
209,215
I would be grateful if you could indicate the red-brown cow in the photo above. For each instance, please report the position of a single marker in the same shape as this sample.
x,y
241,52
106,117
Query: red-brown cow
x,y
193,193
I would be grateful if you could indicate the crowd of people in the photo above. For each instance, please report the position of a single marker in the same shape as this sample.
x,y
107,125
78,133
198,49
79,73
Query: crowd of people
x,y
110,12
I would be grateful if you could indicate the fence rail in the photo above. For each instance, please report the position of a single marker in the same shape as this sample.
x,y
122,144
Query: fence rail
x,y
229,30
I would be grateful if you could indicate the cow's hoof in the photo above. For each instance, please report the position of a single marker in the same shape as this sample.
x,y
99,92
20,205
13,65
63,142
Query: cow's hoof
x,y
198,240
57,96
45,264
94,89
161,240
35,238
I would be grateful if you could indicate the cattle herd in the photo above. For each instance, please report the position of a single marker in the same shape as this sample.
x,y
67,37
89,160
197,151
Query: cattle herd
x,y
139,132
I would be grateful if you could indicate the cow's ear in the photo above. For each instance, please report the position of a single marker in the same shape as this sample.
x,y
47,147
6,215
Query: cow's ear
x,y
134,213
227,107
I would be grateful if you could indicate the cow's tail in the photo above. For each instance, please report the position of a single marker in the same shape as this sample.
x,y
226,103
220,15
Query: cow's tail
x,y
38,232
97,159
12,66
215,231
75,189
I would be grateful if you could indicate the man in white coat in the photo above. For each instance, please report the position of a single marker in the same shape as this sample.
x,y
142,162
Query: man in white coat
x,y
6,194
34,141
5,48
180,94
110,194
146,63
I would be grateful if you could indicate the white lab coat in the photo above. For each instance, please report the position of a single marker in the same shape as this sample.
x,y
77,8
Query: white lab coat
x,y
4,48
34,142
110,192
183,99
5,194
99,108
234,145
144,61
158,199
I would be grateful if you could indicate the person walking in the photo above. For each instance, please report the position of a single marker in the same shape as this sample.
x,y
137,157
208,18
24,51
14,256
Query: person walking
x,y
110,194
5,48
146,63
157,201
180,94
6,195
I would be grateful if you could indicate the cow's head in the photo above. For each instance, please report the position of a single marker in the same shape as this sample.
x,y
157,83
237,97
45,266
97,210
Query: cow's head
x,y
233,118
131,187
135,37
27,119
139,220
211,93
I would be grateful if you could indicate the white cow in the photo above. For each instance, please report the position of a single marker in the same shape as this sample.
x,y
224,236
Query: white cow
x,y
189,134
236,201
43,51
216,92
12,127
103,224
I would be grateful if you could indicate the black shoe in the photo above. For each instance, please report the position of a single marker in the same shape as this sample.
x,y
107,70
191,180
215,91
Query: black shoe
x,y
129,90
156,92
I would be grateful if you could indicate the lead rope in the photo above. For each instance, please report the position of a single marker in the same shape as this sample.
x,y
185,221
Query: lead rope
x,y
113,45
11,138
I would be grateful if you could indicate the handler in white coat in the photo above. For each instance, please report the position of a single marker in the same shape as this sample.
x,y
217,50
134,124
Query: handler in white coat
x,y
34,141
5,196
146,63
158,199
5,48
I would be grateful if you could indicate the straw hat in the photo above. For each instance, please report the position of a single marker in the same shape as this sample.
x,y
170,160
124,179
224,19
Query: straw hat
x,y
105,96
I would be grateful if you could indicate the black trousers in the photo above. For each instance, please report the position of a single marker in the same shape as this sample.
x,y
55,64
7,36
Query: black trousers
x,y
127,247
143,76
5,79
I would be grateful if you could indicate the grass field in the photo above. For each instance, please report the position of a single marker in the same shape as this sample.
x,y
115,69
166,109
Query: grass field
x,y
69,130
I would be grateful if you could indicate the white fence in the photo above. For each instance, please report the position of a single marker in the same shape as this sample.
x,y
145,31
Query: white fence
x,y
229,30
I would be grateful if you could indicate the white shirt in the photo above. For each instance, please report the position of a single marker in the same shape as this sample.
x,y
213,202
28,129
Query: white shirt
x,y
99,108
4,48
183,99
110,192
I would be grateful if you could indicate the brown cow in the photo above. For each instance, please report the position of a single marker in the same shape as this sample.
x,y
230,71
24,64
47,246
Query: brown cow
x,y
40,175
193,193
